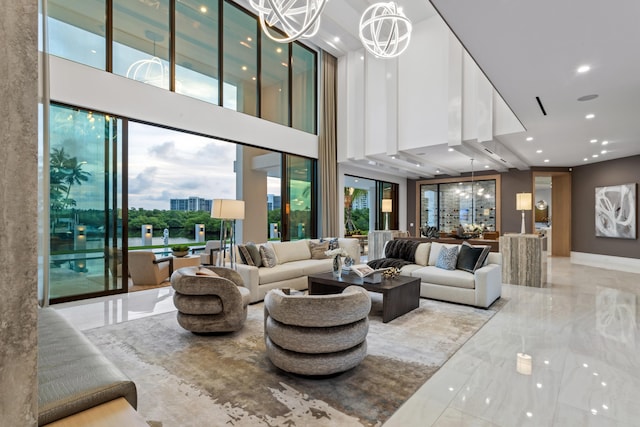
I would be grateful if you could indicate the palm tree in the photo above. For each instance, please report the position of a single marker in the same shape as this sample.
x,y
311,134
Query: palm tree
x,y
64,172
350,195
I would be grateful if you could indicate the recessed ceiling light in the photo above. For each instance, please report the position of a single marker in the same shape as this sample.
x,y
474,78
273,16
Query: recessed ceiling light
x,y
603,152
530,138
279,50
418,164
249,39
393,157
203,9
362,57
585,159
605,142
593,141
594,156
336,39
253,78
450,149
486,166
538,151
437,170
583,68
546,160
94,51
589,116
355,180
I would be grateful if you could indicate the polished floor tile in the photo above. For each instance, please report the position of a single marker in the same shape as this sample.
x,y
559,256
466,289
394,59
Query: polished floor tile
x,y
580,333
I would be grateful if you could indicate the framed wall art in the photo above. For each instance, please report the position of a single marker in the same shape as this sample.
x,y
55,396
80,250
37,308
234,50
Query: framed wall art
x,y
616,211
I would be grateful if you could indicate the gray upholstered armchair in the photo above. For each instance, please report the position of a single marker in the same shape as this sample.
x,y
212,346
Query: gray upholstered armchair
x,y
210,299
317,334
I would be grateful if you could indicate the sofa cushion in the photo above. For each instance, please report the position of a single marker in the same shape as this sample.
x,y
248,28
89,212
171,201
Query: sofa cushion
x,y
318,249
447,258
268,256
470,257
422,254
315,266
454,278
435,251
291,251
280,272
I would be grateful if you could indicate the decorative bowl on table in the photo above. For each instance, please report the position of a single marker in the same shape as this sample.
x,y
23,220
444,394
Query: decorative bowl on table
x,y
180,250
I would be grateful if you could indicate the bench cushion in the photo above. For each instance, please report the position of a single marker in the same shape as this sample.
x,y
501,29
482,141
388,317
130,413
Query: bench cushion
x,y
73,375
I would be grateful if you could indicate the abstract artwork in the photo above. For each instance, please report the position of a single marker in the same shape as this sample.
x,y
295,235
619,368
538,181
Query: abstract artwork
x,y
616,211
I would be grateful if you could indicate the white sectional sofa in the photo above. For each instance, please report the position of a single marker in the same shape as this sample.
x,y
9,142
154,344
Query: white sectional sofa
x,y
480,288
294,264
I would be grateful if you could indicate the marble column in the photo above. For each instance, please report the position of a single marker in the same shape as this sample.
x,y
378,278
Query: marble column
x,y
18,212
377,240
524,259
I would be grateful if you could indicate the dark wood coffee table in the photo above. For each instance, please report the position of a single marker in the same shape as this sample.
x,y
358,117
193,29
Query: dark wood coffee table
x,y
400,295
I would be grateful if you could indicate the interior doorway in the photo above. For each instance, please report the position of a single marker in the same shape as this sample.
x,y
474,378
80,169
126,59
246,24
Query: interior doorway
x,y
552,210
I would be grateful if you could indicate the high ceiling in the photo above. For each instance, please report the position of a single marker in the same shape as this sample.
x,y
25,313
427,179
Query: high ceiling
x,y
530,49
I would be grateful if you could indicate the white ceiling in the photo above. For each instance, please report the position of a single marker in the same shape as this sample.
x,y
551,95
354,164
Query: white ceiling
x,y
530,49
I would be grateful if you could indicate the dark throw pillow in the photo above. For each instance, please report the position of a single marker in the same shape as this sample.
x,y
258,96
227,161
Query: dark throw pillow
x,y
471,257
245,256
255,254
447,258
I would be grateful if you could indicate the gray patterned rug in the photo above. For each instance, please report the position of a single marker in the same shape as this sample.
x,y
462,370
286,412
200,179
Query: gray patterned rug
x,y
226,380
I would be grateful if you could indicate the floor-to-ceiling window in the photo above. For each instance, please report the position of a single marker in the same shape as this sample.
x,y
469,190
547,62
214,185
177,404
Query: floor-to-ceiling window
x,y
196,69
303,88
84,202
299,218
141,41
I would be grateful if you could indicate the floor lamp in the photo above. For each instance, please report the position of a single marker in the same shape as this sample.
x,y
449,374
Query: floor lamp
x,y
386,209
523,203
228,210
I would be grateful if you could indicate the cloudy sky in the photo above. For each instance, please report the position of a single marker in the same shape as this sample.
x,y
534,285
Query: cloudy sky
x,y
166,164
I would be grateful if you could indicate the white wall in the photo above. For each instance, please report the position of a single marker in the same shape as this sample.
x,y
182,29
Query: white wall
x,y
75,84
432,94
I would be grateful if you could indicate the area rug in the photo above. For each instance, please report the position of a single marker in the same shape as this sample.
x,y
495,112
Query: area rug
x,y
226,380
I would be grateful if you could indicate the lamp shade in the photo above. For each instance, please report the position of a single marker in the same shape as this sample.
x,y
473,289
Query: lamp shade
x,y
228,209
386,205
523,201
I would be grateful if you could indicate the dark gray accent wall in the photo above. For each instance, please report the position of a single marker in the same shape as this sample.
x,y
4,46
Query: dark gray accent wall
x,y
514,182
411,207
585,179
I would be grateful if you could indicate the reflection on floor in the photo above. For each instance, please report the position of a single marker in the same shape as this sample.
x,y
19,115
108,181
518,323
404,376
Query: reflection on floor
x,y
580,336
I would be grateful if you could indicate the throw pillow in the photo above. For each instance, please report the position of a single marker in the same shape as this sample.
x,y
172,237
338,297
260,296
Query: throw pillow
x,y
268,256
471,257
255,254
245,256
205,272
333,244
447,258
318,249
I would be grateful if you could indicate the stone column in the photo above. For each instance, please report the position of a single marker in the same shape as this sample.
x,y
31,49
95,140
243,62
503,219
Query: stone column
x,y
18,212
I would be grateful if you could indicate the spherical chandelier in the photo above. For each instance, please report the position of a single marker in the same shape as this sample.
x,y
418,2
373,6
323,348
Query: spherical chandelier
x,y
297,18
384,30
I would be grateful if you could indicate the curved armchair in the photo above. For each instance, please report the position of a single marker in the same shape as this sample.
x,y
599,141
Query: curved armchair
x,y
317,334
210,299
145,269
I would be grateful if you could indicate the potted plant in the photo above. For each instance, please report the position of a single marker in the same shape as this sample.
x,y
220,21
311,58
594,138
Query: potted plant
x,y
180,250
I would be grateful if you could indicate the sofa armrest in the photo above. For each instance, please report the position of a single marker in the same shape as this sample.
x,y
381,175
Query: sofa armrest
x,y
251,277
488,281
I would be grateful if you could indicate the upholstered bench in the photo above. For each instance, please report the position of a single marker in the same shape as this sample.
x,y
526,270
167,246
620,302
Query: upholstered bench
x,y
74,376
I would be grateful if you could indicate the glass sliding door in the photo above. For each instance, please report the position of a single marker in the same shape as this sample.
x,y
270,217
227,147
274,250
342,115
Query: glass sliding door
x,y
387,211
299,220
85,196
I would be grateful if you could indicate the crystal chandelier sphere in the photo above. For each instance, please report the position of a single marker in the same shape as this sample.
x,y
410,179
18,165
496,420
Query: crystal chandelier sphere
x,y
297,18
384,30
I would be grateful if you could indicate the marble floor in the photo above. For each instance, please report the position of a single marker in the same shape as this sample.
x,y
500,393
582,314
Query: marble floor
x,y
563,355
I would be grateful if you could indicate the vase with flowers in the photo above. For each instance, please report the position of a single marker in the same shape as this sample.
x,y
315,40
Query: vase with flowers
x,y
337,255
